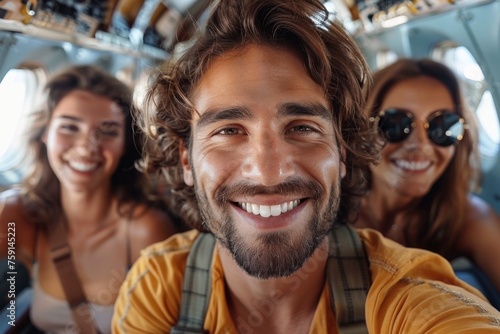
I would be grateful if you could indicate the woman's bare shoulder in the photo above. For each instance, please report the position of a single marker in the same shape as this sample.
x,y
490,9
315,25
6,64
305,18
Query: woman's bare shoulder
x,y
481,222
13,220
480,213
11,207
150,225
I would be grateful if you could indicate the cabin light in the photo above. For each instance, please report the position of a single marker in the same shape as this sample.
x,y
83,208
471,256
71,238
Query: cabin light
x,y
395,21
67,46
330,6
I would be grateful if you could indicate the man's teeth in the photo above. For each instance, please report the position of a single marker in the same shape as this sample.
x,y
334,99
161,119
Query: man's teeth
x,y
269,210
82,166
413,165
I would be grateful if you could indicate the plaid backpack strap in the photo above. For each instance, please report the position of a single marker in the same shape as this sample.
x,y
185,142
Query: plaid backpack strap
x,y
348,278
196,286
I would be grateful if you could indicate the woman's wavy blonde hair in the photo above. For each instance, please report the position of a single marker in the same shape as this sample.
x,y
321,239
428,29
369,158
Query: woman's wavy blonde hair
x,y
331,57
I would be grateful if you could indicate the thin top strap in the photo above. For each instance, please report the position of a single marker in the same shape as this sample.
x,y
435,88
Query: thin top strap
x,y
70,281
35,244
128,242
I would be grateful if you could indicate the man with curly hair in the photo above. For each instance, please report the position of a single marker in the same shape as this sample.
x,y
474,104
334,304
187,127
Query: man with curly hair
x,y
259,131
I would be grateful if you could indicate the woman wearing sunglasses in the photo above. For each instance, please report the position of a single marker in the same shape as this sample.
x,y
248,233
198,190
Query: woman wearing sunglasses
x,y
421,192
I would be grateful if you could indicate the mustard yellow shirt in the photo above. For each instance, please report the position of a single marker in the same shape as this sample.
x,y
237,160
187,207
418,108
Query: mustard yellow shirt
x,y
412,291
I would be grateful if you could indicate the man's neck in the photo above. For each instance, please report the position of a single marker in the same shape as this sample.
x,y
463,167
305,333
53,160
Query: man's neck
x,y
282,305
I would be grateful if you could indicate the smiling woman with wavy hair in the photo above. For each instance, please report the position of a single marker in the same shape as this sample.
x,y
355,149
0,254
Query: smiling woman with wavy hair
x,y
421,193
82,176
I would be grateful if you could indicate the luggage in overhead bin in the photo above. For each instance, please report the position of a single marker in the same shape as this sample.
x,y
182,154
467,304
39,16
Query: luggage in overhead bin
x,y
83,17
17,10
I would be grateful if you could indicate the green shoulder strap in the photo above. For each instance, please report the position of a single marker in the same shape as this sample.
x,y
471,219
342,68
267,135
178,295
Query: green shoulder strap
x,y
196,286
348,277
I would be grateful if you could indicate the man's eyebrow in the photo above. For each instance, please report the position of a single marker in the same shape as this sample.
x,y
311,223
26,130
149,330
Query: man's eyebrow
x,y
299,109
211,116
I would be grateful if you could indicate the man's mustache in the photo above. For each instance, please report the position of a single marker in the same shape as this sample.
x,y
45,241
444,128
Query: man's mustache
x,y
293,187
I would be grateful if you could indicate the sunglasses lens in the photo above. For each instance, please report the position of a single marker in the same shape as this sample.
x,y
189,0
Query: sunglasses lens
x,y
395,125
446,129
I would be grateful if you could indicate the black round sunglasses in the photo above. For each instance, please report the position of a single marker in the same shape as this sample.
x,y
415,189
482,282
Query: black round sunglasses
x,y
444,127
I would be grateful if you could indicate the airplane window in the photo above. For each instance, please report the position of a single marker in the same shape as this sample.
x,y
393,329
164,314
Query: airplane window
x,y
126,75
339,11
385,58
486,113
477,95
17,92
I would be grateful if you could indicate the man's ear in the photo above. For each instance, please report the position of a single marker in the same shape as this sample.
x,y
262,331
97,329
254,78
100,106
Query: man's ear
x,y
186,167
342,162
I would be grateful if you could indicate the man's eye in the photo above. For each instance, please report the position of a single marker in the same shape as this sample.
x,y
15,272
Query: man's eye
x,y
229,131
302,128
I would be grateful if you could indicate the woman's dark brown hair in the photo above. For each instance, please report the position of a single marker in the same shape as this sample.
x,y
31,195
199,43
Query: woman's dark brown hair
x,y
439,215
40,188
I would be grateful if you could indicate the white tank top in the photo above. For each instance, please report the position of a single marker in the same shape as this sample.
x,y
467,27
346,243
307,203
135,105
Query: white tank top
x,y
53,315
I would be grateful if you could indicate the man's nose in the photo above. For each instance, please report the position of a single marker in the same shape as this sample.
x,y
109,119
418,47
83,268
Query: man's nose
x,y
269,160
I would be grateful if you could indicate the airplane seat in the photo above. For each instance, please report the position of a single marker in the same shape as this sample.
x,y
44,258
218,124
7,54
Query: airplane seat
x,y
469,273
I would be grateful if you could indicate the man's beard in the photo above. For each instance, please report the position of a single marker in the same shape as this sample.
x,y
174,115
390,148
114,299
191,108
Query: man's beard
x,y
271,254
